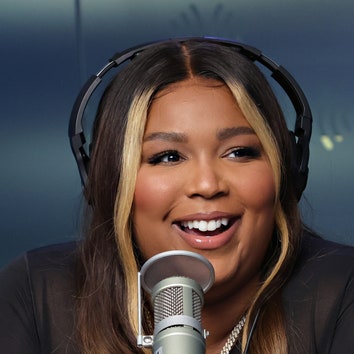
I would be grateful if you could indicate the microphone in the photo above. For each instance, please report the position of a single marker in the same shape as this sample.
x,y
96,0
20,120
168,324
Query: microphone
x,y
177,281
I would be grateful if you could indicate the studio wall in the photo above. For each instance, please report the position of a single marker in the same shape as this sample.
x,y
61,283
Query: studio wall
x,y
49,48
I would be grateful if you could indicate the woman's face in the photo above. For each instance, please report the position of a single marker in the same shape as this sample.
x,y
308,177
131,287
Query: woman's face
x,y
204,184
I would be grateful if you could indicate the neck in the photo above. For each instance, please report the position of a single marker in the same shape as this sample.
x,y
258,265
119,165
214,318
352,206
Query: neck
x,y
222,311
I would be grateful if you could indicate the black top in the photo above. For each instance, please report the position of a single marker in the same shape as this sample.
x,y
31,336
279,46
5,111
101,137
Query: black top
x,y
37,294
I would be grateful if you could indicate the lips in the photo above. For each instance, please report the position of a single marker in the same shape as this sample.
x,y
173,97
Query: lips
x,y
206,225
208,231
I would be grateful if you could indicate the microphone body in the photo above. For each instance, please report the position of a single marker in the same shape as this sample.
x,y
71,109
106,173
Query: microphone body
x,y
177,303
177,341
177,281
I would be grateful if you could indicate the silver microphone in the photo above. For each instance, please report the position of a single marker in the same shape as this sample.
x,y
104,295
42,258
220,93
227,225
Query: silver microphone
x,y
177,281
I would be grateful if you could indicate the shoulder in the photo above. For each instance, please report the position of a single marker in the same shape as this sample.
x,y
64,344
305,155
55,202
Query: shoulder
x,y
319,296
49,270
37,296
40,266
322,263
44,262
320,257
313,244
53,260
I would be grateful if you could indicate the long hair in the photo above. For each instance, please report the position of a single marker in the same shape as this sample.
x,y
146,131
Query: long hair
x,y
109,262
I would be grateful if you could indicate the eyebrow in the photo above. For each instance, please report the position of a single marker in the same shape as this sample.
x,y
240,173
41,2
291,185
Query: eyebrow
x,y
222,134
171,136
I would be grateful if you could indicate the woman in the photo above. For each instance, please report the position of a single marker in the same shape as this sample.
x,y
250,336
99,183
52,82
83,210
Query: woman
x,y
190,151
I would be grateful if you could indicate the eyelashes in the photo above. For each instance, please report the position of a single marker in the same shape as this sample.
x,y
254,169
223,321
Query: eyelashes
x,y
171,157
244,152
165,157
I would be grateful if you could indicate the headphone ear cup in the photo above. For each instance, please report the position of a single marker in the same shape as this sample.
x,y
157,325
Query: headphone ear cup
x,y
299,178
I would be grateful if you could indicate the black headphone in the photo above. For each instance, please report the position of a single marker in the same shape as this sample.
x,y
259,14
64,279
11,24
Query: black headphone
x,y
300,135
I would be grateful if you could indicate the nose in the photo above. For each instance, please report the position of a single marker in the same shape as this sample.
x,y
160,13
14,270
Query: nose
x,y
206,180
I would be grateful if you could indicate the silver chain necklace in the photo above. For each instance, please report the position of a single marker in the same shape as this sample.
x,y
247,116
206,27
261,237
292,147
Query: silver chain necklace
x,y
233,336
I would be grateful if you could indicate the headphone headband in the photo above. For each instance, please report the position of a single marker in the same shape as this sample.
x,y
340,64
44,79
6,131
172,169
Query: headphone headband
x,y
303,125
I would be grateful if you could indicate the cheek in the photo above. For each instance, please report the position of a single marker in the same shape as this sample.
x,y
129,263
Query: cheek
x,y
259,218
258,187
154,196
265,191
143,195
151,192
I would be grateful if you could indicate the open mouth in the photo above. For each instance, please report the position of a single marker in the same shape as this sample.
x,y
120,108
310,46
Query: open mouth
x,y
205,227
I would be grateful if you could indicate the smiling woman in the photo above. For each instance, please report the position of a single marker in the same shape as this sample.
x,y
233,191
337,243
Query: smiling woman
x,y
206,185
190,152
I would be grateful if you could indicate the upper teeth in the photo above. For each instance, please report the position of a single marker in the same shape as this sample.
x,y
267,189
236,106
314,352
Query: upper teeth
x,y
203,225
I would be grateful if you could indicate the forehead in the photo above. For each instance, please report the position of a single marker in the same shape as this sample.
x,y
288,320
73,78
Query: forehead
x,y
194,101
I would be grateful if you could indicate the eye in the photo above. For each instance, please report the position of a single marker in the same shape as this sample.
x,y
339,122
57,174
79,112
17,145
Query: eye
x,y
165,157
244,153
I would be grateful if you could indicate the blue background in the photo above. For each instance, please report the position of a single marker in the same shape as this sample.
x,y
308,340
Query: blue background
x,y
49,49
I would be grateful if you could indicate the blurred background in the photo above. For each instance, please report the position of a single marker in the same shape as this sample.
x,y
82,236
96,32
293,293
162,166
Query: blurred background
x,y
49,48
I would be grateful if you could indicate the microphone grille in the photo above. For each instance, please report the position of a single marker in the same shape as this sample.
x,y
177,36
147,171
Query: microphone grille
x,y
170,302
197,306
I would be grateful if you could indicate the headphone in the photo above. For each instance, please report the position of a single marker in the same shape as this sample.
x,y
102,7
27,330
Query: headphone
x,y
300,136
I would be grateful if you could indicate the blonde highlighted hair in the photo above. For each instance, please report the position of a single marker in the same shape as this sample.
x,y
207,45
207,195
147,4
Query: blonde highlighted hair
x,y
124,202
